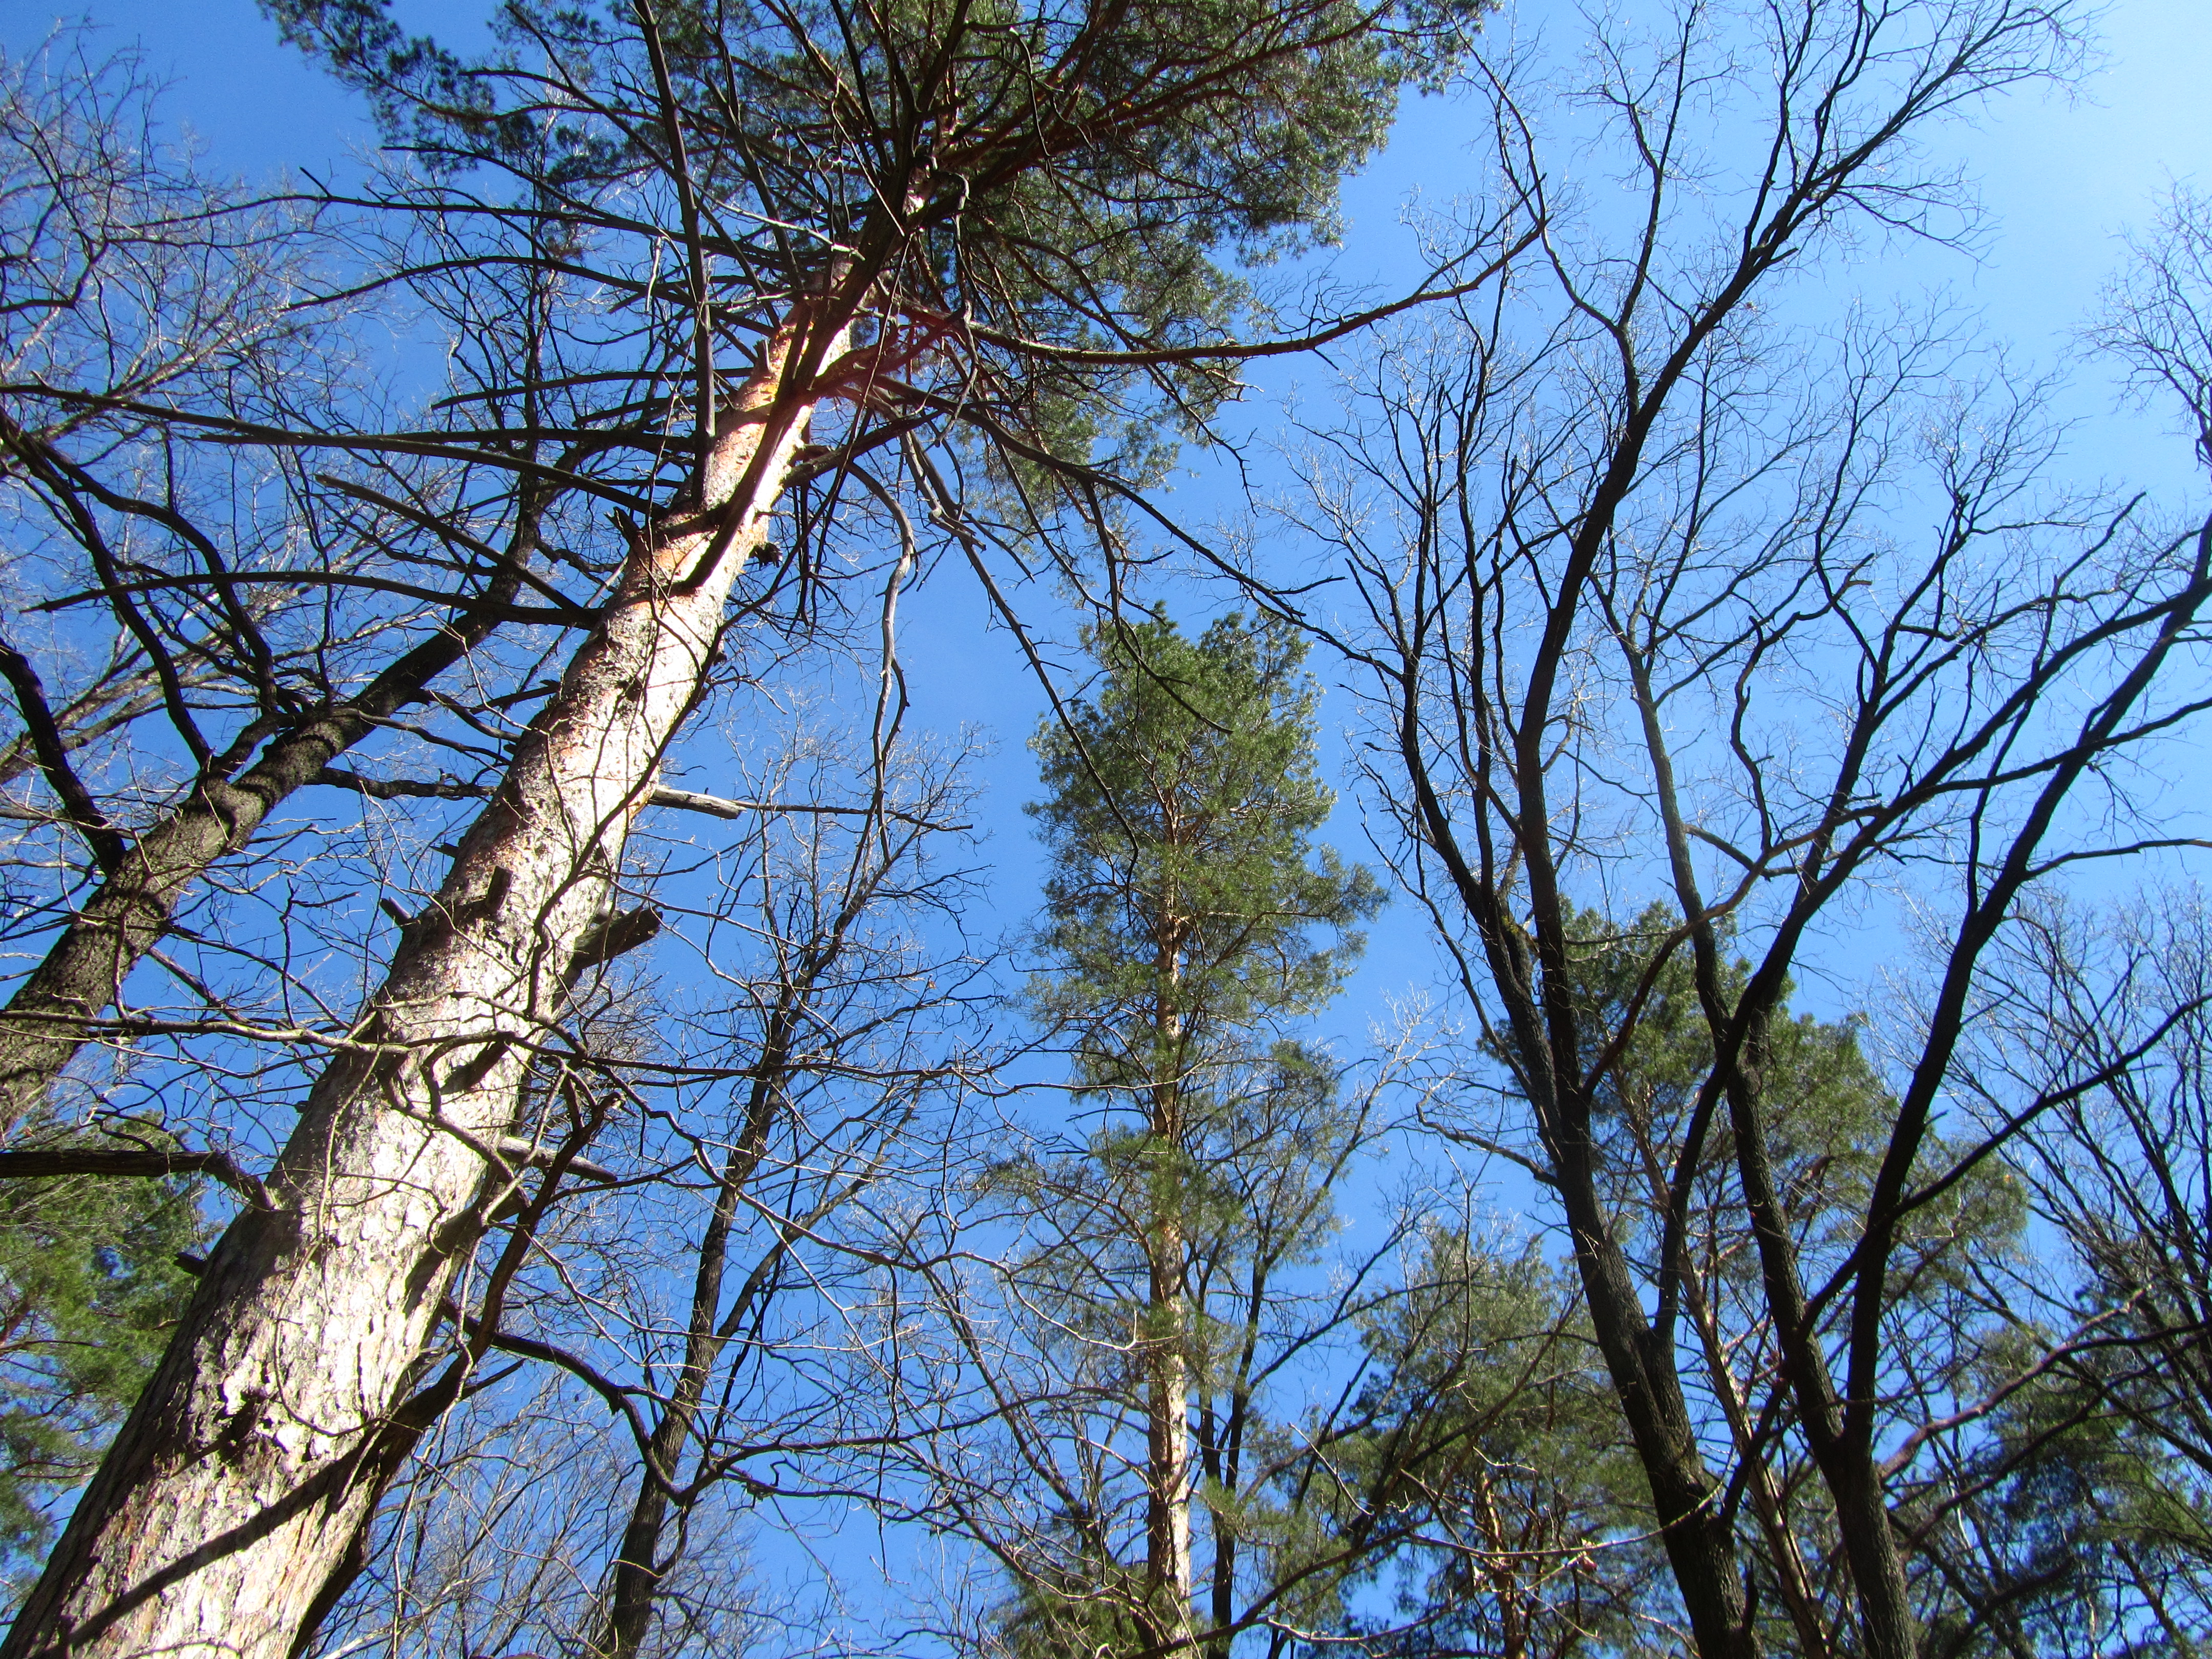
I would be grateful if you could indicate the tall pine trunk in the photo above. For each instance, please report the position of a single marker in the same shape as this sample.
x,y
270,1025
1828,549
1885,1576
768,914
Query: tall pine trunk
x,y
1168,1497
250,1466
1167,1417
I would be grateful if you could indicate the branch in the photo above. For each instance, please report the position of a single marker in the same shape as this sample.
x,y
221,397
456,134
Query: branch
x,y
106,842
1232,351
46,1161
524,1154
683,800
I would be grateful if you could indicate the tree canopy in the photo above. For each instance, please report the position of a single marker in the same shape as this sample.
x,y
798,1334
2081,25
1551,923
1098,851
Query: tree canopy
x,y
541,1112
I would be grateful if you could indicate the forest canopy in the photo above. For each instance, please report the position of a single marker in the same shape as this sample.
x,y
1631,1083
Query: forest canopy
x,y
1552,1004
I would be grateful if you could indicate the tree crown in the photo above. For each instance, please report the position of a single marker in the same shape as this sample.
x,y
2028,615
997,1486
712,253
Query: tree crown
x,y
1186,888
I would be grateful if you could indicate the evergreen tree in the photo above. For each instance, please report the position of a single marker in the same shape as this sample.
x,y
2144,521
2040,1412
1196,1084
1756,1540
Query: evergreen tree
x,y
2032,1518
909,245
90,1288
1496,1452
1191,921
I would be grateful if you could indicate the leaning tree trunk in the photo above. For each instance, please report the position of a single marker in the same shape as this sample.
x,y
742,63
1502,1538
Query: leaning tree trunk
x,y
240,1480
44,1022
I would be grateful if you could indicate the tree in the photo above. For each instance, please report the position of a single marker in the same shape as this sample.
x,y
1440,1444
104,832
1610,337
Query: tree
x,y
841,1069
2101,1011
202,657
1157,1277
171,682
1518,1522
90,1286
1828,1108
1008,224
695,1336
1179,815
1638,608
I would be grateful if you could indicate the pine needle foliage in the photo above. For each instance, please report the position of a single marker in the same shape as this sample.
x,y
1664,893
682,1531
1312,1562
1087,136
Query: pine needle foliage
x,y
1186,890
90,1286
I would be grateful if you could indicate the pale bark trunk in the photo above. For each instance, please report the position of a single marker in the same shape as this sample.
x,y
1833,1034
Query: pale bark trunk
x,y
1168,1453
250,1465
1168,1495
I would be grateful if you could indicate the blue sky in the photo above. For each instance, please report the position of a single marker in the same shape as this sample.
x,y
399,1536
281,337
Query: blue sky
x,y
2062,175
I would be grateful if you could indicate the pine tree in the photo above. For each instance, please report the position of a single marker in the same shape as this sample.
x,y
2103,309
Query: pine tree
x,y
1190,921
91,1285
839,239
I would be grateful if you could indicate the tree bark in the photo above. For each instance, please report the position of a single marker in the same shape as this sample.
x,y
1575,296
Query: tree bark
x,y
1639,1358
1887,1622
1168,1497
1641,1361
1167,1417
237,1486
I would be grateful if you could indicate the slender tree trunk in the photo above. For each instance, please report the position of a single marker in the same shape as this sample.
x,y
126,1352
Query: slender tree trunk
x,y
43,1025
1167,1453
1887,1621
633,1584
1167,1523
1790,1576
1639,1358
1887,1624
242,1478
1684,1493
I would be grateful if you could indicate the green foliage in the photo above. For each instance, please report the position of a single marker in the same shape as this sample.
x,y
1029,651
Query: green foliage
x,y
1077,1609
1072,182
90,1288
1828,1110
1993,1509
2059,1526
1185,888
1495,1449
1191,923
2028,1529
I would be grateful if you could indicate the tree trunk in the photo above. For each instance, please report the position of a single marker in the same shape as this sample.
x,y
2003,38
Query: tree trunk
x,y
1639,1358
246,1471
1845,1459
1167,1417
43,1025
634,1584
1641,1363
1167,1518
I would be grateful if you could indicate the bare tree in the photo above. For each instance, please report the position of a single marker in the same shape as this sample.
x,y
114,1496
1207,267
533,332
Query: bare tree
x,y
2093,1031
838,1073
711,1303
1656,591
216,623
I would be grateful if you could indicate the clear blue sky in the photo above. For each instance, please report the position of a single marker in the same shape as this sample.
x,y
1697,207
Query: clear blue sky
x,y
2061,176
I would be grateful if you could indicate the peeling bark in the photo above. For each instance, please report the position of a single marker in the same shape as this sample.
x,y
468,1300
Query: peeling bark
x,y
1167,1420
